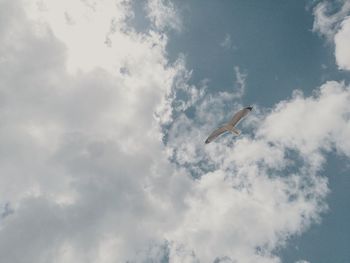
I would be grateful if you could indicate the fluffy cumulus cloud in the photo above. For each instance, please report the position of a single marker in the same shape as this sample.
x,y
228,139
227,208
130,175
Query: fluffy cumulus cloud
x,y
342,43
81,152
100,162
333,22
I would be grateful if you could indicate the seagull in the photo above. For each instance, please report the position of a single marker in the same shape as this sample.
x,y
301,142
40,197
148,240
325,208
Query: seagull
x,y
230,126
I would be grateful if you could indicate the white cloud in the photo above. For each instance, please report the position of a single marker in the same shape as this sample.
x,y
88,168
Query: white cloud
x,y
240,81
86,176
163,14
327,22
342,43
336,28
297,124
227,42
82,159
86,27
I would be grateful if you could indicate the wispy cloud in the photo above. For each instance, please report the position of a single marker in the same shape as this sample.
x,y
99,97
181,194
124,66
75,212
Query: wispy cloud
x,y
163,14
327,22
227,42
240,81
336,28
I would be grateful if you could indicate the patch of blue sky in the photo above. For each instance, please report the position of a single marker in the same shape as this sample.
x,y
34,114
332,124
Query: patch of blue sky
x,y
270,40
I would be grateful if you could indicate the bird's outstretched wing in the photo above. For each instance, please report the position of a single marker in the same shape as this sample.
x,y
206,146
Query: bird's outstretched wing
x,y
239,116
216,133
230,126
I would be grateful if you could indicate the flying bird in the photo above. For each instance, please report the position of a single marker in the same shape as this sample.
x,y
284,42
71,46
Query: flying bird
x,y
230,126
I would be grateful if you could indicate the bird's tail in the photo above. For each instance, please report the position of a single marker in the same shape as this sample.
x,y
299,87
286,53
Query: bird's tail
x,y
235,131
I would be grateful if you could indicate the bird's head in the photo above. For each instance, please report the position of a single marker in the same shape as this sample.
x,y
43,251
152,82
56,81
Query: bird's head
x,y
249,108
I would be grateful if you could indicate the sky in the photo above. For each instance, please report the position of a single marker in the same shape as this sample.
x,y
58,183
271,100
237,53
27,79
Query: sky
x,y
104,109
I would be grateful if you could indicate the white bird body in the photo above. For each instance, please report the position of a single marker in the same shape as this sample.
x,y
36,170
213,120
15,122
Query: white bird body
x,y
230,126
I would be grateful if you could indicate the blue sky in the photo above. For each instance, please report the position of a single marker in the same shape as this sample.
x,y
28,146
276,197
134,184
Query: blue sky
x,y
271,40
105,107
